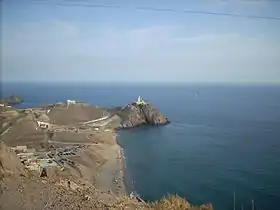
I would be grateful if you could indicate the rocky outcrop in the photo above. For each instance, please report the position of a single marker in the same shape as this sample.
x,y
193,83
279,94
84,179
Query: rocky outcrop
x,y
12,100
133,115
9,162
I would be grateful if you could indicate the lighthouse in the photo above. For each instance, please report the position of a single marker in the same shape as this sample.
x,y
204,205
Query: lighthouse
x,y
140,101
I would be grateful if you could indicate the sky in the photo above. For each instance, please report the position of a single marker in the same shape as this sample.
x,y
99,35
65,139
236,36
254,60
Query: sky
x,y
48,41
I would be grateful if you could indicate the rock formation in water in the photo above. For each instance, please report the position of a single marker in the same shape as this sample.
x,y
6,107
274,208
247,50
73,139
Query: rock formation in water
x,y
140,113
12,100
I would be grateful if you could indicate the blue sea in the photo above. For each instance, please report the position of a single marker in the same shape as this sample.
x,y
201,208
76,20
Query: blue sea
x,y
222,140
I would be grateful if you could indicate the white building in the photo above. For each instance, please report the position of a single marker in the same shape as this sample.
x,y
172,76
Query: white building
x,y
69,102
4,105
140,101
43,124
19,148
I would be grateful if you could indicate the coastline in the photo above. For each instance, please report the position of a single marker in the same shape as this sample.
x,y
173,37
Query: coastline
x,y
116,177
110,177
103,163
94,177
128,184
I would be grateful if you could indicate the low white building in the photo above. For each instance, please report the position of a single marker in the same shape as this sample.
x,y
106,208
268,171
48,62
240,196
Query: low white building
x,y
19,148
43,124
69,102
4,105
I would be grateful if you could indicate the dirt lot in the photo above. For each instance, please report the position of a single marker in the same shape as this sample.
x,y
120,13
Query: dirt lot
x,y
87,137
74,114
70,137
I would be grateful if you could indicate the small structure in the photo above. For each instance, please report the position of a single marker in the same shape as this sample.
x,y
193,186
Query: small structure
x,y
26,154
19,148
43,125
32,167
140,101
5,105
36,164
69,102
30,150
43,121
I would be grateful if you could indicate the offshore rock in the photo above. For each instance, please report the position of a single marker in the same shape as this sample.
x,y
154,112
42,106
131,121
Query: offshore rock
x,y
12,100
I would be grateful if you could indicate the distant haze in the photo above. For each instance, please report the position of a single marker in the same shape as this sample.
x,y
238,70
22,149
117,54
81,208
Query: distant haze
x,y
59,43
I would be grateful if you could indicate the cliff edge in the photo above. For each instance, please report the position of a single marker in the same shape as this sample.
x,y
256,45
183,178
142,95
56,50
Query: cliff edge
x,y
140,113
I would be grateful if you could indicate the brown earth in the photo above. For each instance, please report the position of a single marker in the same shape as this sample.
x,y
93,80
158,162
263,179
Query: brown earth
x,y
6,115
70,137
74,114
99,184
24,133
56,193
9,162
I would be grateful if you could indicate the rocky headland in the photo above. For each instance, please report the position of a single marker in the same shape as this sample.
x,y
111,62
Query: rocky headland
x,y
75,145
139,113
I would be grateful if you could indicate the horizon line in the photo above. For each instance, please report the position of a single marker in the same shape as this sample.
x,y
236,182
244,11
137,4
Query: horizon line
x,y
142,82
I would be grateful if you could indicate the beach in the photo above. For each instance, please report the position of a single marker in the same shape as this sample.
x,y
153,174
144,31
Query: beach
x,y
110,176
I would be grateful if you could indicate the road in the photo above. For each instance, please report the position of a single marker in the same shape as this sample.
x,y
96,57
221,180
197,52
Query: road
x,y
68,143
96,120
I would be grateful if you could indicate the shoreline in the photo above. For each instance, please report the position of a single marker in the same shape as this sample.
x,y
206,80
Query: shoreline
x,y
105,163
127,181
94,176
111,175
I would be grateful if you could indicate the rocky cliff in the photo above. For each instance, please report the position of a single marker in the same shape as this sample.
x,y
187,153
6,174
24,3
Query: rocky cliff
x,y
133,115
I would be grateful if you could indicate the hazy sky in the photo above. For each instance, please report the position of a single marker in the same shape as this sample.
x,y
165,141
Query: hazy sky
x,y
70,43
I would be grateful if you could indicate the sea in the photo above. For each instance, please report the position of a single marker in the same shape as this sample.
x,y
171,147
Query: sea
x,y
221,147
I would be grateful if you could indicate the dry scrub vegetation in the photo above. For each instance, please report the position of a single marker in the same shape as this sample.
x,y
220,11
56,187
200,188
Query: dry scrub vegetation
x,y
170,202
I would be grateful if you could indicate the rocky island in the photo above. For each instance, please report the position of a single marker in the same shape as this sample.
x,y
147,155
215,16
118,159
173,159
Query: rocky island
x,y
66,156
11,100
